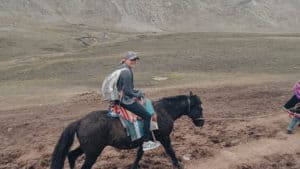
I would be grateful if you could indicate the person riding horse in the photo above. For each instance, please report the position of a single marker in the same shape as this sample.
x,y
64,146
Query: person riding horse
x,y
97,130
130,96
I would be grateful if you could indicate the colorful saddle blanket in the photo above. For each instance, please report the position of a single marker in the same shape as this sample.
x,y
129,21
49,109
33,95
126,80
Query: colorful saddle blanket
x,y
132,122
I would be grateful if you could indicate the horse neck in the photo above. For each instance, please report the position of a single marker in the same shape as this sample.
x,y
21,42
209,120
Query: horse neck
x,y
174,107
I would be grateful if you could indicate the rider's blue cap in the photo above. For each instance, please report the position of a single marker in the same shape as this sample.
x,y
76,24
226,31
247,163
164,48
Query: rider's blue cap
x,y
130,55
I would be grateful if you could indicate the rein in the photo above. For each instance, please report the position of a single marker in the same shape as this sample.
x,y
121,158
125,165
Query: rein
x,y
221,118
233,118
189,109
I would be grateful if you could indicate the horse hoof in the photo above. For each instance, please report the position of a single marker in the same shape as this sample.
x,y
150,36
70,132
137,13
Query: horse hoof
x,y
135,167
179,166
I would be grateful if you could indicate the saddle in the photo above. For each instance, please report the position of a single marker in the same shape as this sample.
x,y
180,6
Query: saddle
x,y
132,122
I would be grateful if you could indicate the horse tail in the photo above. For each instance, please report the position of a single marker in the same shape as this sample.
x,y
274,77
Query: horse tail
x,y
63,146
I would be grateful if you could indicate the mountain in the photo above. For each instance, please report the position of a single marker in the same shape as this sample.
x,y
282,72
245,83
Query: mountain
x,y
158,15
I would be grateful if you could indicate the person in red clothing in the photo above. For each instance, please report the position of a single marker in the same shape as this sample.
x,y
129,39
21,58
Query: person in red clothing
x,y
291,105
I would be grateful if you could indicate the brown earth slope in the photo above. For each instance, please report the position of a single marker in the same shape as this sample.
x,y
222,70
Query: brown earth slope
x,y
245,128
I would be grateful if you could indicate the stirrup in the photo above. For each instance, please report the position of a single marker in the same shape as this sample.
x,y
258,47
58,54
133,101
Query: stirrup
x,y
149,145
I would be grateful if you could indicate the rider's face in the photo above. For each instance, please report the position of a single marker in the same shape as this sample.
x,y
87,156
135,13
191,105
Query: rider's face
x,y
131,63
298,91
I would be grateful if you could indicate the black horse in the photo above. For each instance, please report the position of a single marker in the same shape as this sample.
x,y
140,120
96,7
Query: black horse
x,y
96,130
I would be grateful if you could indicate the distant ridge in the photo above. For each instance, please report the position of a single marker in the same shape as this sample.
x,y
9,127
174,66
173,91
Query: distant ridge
x,y
159,15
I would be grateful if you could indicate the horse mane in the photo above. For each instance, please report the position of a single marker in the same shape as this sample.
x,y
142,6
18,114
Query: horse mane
x,y
171,99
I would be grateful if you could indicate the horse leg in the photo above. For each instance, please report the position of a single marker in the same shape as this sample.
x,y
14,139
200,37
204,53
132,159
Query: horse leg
x,y
89,161
91,157
73,155
139,156
166,142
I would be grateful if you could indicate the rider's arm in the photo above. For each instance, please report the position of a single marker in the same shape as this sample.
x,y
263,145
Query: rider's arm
x,y
127,84
291,102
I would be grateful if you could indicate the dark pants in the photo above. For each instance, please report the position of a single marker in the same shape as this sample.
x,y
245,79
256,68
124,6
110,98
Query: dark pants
x,y
292,102
139,110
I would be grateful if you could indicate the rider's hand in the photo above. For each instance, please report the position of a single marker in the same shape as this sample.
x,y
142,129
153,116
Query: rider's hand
x,y
141,94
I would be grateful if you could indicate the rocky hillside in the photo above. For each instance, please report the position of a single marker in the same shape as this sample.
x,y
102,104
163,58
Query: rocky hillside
x,y
158,15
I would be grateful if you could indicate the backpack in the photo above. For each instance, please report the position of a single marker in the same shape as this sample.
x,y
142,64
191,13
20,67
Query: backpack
x,y
109,86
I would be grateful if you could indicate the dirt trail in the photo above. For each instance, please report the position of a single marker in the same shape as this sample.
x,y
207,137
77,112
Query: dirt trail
x,y
254,151
29,134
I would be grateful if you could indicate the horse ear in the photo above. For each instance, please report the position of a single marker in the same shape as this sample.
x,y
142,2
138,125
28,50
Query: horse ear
x,y
191,93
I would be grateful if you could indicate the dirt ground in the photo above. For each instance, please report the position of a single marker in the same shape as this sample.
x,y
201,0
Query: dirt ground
x,y
245,129
243,81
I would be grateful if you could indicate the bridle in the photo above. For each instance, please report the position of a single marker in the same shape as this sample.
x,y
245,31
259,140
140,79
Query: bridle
x,y
189,108
189,104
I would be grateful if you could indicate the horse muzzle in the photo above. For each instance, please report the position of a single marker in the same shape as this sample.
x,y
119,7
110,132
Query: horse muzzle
x,y
199,122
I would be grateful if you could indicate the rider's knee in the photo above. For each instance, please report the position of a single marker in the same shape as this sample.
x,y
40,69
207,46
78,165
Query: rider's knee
x,y
148,116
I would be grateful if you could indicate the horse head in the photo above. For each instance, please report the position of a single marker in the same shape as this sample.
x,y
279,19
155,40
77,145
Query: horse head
x,y
194,109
